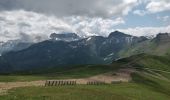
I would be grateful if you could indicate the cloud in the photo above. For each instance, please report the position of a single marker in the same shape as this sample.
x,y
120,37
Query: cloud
x,y
31,26
152,6
146,31
27,25
164,18
60,8
155,6
140,12
85,26
35,20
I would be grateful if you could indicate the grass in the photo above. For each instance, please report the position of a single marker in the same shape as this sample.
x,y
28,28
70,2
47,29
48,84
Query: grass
x,y
76,72
148,61
123,91
155,84
155,62
82,71
144,85
167,75
149,46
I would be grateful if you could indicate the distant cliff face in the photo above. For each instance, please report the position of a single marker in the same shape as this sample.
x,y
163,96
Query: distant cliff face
x,y
163,37
64,37
13,45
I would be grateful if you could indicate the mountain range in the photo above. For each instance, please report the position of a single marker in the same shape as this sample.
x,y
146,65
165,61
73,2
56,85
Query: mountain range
x,y
69,49
13,45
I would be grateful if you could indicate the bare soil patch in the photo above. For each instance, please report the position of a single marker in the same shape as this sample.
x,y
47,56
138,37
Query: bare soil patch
x,y
123,75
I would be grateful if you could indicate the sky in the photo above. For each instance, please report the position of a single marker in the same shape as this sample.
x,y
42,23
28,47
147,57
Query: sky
x,y
34,20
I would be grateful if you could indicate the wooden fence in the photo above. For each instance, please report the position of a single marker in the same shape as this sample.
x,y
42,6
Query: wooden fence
x,y
62,83
116,82
95,83
59,83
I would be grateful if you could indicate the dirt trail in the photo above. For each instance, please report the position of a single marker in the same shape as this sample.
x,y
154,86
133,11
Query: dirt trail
x,y
4,86
121,75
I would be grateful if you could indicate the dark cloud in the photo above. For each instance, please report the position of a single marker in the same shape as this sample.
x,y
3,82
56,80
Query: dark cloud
x,y
23,24
8,4
92,8
25,38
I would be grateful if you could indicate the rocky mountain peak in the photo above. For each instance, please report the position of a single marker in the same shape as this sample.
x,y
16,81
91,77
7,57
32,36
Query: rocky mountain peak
x,y
117,34
64,37
163,37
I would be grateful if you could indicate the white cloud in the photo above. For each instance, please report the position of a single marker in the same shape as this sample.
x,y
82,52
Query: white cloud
x,y
13,24
140,12
27,26
164,18
155,6
152,6
32,19
85,26
146,31
33,25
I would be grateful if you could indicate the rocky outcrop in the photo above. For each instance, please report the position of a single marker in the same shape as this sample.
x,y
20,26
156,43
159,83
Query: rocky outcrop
x,y
163,37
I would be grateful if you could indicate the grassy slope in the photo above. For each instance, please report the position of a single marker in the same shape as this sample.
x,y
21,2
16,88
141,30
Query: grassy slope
x,y
149,46
146,85
148,61
123,91
73,72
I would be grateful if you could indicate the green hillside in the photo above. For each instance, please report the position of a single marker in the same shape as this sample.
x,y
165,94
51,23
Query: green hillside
x,y
80,71
151,81
153,47
145,61
142,87
128,91
141,61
